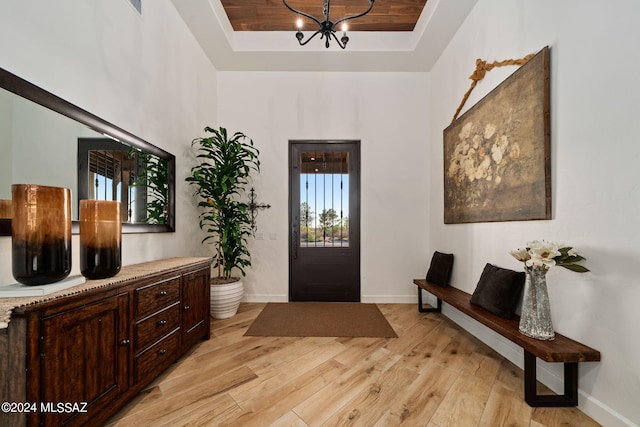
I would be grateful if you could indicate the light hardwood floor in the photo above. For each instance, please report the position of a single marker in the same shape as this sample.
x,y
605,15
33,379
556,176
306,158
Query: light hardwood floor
x,y
433,374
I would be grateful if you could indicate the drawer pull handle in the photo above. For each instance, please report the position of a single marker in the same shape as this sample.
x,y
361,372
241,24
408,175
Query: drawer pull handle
x,y
187,307
163,293
162,352
125,343
162,322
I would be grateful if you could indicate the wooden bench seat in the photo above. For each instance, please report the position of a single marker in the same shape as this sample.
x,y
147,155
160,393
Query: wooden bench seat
x,y
560,349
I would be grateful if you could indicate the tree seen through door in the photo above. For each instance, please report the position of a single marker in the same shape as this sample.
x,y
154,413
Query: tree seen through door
x,y
324,199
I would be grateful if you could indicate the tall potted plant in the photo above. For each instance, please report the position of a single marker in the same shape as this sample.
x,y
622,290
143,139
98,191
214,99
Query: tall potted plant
x,y
220,178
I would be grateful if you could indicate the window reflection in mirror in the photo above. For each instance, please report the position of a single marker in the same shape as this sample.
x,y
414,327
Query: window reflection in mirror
x,y
153,179
110,170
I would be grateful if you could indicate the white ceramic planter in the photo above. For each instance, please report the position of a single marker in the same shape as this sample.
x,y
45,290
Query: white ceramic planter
x,y
225,299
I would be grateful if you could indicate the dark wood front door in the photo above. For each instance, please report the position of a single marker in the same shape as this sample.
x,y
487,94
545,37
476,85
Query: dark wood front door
x,y
324,219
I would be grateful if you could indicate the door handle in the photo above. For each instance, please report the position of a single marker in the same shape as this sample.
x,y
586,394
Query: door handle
x,y
295,244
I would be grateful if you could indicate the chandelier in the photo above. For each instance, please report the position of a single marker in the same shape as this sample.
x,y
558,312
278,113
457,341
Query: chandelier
x,y
326,28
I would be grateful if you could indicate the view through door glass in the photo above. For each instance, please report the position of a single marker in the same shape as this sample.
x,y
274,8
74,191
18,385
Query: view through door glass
x,y
324,196
324,264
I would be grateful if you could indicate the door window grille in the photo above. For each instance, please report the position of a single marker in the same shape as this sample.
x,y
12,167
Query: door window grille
x,y
324,199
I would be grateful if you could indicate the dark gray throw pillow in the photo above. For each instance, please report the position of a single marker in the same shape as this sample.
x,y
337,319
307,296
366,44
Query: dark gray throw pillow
x,y
498,290
440,269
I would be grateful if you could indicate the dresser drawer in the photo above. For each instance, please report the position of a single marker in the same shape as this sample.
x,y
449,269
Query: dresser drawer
x,y
156,296
151,329
157,357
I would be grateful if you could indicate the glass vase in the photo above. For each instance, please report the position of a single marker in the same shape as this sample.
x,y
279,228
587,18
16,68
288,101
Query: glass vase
x,y
40,234
100,238
6,209
535,319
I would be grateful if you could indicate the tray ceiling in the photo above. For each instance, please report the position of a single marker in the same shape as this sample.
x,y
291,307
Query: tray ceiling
x,y
272,15
259,35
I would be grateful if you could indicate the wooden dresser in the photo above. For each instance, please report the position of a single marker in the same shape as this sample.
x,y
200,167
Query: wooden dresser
x,y
76,357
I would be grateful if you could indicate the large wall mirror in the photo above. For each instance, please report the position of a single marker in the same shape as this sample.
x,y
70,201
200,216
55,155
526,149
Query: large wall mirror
x,y
47,140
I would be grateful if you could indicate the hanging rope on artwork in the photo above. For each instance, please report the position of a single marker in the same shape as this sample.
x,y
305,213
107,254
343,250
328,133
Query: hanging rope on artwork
x,y
481,69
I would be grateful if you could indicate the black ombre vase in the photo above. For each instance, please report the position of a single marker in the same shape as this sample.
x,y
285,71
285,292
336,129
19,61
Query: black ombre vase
x,y
40,233
100,238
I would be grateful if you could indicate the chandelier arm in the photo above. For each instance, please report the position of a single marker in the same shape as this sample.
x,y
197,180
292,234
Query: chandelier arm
x,y
309,39
306,15
346,18
338,41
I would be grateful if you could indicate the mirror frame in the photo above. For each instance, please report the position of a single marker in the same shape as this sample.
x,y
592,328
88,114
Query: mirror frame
x,y
27,90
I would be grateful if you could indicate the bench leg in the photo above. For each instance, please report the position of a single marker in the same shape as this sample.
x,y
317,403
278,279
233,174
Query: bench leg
x,y
421,309
570,397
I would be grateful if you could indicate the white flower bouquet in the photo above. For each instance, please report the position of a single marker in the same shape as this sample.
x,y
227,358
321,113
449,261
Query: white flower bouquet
x,y
544,255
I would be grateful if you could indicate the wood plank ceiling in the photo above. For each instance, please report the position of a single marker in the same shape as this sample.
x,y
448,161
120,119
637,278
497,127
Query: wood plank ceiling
x,y
272,15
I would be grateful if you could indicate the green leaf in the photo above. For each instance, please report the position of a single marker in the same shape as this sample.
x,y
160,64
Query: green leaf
x,y
220,177
575,267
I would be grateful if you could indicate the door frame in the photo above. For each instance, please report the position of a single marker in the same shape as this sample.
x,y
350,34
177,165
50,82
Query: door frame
x,y
356,230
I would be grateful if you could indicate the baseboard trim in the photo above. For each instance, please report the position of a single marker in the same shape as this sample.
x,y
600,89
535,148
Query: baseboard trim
x,y
265,298
371,299
389,299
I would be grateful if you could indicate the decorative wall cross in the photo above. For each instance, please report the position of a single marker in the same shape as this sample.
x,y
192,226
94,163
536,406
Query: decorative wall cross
x,y
253,206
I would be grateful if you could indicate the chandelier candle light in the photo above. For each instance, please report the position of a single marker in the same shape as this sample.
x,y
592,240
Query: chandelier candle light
x,y
538,257
326,28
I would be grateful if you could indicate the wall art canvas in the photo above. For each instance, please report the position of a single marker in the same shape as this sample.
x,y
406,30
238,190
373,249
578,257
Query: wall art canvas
x,y
497,155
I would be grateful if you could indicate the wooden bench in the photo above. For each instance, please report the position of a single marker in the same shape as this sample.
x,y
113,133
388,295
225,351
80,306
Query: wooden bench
x,y
560,349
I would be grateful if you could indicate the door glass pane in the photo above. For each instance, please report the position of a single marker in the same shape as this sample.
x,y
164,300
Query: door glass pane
x,y
324,199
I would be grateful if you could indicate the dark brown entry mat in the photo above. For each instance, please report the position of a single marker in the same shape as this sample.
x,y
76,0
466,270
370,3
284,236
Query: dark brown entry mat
x,y
321,319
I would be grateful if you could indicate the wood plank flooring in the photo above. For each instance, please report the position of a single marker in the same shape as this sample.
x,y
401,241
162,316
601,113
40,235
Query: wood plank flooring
x,y
434,374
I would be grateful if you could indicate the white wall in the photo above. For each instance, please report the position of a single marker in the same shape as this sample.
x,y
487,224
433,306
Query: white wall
x,y
145,74
148,76
595,180
388,113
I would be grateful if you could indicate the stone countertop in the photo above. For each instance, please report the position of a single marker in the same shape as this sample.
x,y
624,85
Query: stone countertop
x,y
7,305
